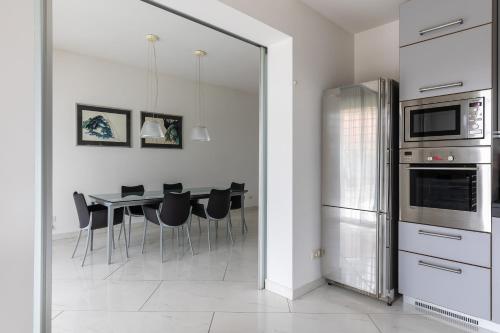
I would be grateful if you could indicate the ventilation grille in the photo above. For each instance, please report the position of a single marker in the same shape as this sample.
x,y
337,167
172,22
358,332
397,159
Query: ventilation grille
x,y
447,313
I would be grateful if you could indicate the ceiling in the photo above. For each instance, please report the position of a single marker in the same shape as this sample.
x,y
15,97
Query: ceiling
x,y
357,15
115,30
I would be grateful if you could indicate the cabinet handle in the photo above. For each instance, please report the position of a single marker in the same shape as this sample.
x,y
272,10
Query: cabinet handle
x,y
451,270
441,26
437,234
441,86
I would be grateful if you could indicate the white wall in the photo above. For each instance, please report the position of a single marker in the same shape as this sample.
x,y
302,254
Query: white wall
x,y
232,118
377,53
323,57
17,166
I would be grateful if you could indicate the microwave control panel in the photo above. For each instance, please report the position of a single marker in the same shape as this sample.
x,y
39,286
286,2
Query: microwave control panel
x,y
475,118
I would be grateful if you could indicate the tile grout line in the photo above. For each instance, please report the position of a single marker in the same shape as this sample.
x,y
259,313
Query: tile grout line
x,y
211,321
57,315
147,300
373,322
113,272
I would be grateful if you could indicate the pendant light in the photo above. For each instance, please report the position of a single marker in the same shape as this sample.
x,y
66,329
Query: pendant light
x,y
152,128
200,131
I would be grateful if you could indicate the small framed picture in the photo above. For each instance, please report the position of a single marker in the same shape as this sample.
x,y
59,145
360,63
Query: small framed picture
x,y
102,126
172,126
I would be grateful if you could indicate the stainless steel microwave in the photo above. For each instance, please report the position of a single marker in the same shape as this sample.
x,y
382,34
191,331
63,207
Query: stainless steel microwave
x,y
451,120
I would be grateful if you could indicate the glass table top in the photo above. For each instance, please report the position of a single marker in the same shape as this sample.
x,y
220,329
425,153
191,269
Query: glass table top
x,y
196,192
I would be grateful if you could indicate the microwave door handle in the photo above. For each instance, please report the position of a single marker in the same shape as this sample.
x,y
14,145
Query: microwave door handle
x,y
443,168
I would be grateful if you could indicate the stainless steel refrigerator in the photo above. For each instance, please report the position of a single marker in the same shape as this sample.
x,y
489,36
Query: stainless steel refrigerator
x,y
360,187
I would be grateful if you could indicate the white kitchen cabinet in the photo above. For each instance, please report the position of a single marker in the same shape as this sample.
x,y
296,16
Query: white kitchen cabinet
x,y
463,59
495,256
456,286
446,16
459,245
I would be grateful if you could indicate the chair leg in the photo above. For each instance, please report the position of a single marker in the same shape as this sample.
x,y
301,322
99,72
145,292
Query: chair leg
x,y
86,247
127,240
189,240
161,242
228,221
129,228
244,227
120,233
113,236
208,228
92,241
199,225
77,242
144,236
177,231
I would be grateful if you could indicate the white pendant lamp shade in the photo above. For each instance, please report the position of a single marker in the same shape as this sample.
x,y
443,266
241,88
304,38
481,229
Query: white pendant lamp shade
x,y
152,129
200,133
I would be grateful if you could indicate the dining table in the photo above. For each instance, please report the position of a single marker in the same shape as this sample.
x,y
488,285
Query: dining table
x,y
118,200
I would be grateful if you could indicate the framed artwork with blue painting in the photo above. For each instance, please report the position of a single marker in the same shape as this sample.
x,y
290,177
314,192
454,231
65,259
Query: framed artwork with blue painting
x,y
102,126
172,126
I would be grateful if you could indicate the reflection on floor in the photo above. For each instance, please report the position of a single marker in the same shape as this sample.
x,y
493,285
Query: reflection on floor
x,y
210,292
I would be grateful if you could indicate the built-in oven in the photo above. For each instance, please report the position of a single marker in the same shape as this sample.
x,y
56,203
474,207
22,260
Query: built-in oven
x,y
447,187
459,120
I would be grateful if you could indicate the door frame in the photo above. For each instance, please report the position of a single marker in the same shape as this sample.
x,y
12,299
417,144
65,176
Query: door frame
x,y
42,305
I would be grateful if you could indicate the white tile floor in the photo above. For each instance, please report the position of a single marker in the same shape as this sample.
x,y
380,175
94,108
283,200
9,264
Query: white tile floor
x,y
210,292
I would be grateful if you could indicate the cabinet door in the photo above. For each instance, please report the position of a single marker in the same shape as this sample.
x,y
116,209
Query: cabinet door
x,y
454,244
495,250
462,61
456,286
421,20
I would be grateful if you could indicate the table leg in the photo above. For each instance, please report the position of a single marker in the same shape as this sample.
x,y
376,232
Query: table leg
x,y
111,214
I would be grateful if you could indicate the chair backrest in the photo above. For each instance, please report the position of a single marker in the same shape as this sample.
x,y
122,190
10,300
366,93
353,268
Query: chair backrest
x,y
219,203
236,199
176,208
131,190
177,187
82,209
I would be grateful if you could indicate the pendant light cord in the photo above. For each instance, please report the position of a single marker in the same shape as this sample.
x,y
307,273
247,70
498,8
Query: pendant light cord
x,y
152,78
199,91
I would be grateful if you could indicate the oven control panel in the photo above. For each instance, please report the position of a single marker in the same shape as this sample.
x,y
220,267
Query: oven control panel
x,y
449,155
475,116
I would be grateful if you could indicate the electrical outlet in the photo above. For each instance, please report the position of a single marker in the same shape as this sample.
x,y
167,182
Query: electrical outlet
x,y
318,253
250,197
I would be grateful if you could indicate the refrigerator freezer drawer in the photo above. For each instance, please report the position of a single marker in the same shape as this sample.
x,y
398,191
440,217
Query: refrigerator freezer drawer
x,y
453,285
349,238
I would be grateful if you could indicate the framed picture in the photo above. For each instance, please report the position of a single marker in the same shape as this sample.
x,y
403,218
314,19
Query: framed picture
x,y
172,125
102,126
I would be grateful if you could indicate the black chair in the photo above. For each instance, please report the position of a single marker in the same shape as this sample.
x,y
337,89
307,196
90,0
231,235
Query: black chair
x,y
132,211
94,217
238,202
175,213
218,208
177,187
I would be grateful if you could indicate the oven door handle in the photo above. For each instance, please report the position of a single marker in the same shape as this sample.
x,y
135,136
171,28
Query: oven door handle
x,y
442,168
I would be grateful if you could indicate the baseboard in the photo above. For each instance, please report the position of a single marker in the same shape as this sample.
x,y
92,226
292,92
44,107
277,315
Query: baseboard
x,y
279,289
290,293
308,287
